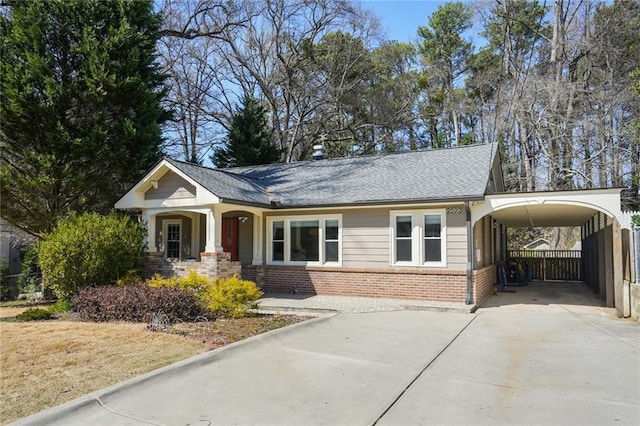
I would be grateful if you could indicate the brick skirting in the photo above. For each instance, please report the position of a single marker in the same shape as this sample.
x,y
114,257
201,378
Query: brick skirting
x,y
399,283
210,265
483,282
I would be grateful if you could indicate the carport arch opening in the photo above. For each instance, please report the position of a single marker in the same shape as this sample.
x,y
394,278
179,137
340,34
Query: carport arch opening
x,y
541,209
597,212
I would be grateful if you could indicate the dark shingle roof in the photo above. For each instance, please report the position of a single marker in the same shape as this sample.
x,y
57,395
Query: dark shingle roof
x,y
225,185
432,175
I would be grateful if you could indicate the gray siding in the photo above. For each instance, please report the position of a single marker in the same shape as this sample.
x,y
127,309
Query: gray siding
x,y
245,240
365,238
171,186
456,240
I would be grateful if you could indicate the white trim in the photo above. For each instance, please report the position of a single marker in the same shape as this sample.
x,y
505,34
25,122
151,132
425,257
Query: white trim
x,y
417,237
257,239
606,200
321,219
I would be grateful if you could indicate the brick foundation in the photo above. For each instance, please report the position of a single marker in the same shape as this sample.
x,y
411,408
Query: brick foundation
x,y
483,282
210,265
254,273
399,283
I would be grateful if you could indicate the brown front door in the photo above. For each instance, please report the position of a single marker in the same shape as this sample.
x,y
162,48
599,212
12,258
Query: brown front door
x,y
230,236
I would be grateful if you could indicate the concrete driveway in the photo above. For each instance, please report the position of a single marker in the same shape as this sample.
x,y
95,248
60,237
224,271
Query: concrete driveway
x,y
537,364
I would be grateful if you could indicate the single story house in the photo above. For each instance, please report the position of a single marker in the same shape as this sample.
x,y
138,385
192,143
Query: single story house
x,y
423,224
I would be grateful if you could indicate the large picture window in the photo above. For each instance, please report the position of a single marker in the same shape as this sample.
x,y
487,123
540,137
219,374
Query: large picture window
x,y
305,240
419,238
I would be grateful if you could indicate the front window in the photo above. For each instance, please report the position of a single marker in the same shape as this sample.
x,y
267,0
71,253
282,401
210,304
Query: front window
x,y
404,229
173,241
331,240
302,239
277,241
419,238
432,238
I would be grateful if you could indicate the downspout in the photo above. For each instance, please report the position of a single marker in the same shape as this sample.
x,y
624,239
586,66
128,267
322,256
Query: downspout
x,y
469,295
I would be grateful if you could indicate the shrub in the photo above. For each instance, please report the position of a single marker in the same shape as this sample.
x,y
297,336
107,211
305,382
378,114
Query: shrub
x,y
35,314
229,297
232,296
194,282
135,303
60,307
131,277
30,280
89,250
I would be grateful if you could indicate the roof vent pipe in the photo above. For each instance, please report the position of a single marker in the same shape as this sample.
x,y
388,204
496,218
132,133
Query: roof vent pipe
x,y
318,152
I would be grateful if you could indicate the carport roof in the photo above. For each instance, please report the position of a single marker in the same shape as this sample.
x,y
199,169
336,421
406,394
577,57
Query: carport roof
x,y
552,208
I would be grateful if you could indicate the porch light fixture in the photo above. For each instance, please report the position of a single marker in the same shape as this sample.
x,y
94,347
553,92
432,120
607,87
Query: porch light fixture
x,y
243,219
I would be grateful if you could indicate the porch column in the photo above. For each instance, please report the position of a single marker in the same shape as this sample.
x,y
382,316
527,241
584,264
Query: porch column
x,y
150,239
210,246
214,232
257,239
195,235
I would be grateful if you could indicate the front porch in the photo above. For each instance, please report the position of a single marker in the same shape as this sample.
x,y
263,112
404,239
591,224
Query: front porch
x,y
215,242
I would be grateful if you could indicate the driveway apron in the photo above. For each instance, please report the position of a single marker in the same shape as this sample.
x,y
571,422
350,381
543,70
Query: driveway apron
x,y
551,365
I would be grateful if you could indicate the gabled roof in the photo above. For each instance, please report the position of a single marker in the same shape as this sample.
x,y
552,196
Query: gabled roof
x,y
226,186
451,174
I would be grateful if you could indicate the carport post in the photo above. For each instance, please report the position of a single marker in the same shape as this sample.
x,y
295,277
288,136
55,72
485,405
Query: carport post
x,y
470,252
618,291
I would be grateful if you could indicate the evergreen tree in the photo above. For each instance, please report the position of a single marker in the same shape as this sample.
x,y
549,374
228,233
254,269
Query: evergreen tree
x,y
249,140
80,108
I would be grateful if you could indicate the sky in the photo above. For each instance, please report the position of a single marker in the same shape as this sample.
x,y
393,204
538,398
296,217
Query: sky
x,y
401,18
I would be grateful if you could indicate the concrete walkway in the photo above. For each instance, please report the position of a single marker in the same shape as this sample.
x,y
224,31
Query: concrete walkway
x,y
510,363
352,305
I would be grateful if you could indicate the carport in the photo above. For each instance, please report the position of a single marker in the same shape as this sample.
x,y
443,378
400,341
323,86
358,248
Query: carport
x,y
596,211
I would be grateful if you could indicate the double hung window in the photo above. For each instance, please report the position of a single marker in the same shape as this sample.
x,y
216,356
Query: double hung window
x,y
172,236
418,238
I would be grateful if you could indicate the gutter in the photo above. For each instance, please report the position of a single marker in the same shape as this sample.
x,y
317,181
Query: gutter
x,y
276,205
469,294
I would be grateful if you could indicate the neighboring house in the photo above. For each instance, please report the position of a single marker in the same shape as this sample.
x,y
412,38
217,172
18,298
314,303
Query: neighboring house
x,y
423,224
538,244
12,242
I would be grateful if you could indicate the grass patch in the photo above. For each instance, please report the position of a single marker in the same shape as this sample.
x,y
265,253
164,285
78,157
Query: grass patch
x,y
44,364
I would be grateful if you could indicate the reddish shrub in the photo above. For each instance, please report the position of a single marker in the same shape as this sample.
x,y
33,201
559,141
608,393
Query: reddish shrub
x,y
135,303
